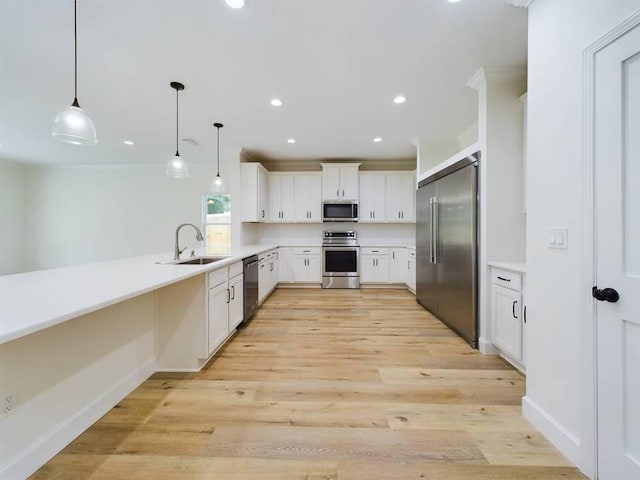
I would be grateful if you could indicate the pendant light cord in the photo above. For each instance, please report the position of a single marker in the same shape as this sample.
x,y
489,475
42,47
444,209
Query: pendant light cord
x,y
218,151
177,136
75,57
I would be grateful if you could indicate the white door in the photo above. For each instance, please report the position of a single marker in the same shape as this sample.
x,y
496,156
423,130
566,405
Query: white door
x,y
218,315
617,200
236,306
349,182
315,198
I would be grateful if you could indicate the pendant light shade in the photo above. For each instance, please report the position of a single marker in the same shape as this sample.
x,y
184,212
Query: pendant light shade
x,y
177,167
217,184
73,125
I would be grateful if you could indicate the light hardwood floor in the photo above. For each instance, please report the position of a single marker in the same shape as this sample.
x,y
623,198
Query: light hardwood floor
x,y
325,384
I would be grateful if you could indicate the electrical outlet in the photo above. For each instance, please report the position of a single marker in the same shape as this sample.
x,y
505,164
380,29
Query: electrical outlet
x,y
7,404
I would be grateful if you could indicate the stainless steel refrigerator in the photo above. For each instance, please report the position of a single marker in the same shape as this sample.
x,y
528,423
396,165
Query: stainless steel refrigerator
x,y
447,246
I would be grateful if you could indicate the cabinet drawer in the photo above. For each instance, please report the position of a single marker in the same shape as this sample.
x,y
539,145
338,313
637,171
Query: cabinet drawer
x,y
235,269
262,256
374,251
507,279
412,253
306,250
218,276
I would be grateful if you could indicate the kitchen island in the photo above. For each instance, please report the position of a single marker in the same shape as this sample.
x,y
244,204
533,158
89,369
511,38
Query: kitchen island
x,y
74,341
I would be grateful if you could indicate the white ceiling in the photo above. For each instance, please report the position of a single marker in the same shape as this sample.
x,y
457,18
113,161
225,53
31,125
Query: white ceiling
x,y
337,64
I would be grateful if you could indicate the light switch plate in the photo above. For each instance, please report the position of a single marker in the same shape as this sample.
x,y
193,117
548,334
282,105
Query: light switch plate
x,y
558,237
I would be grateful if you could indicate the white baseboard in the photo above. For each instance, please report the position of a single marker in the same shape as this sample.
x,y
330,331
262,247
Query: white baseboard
x,y
50,443
560,437
486,347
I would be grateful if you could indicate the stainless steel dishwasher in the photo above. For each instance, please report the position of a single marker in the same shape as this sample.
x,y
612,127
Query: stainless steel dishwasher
x,y
250,287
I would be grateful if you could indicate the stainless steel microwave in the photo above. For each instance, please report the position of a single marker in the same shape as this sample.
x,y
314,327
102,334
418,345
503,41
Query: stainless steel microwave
x,y
340,211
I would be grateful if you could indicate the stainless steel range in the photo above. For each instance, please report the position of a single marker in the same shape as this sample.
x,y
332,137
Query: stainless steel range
x,y
340,260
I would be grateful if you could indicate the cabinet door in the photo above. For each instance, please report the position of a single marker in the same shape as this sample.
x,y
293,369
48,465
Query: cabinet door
x,y
218,315
285,265
349,182
315,198
398,265
263,195
331,183
507,325
301,198
401,193
382,268
263,280
411,274
299,268
407,197
286,198
314,269
372,197
236,306
367,268
275,210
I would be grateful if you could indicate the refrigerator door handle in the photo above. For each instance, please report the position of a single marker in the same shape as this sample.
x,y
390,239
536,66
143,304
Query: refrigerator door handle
x,y
436,230
431,229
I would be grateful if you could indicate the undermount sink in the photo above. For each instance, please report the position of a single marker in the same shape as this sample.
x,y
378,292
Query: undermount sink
x,y
198,261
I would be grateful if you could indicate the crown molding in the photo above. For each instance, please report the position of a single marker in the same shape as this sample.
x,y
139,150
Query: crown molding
x,y
520,3
498,74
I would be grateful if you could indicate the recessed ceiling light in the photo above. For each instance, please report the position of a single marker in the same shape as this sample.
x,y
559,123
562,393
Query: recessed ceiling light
x,y
276,102
400,99
454,1
377,139
291,140
235,3
1,145
128,142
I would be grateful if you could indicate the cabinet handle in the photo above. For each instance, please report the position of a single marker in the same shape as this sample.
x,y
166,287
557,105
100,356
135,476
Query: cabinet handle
x,y
228,295
393,255
504,279
513,308
343,193
338,193
375,251
524,314
233,292
262,213
408,264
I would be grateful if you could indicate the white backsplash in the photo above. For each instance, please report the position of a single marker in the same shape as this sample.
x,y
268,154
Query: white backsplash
x,y
379,234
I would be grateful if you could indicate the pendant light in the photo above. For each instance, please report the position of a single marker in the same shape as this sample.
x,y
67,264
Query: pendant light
x,y
177,167
72,125
217,184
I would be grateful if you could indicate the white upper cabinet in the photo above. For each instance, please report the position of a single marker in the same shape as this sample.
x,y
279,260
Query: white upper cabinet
x,y
307,197
281,198
255,192
340,181
372,197
401,197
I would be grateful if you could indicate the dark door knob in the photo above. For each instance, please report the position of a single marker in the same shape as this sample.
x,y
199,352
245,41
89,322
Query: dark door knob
x,y
605,295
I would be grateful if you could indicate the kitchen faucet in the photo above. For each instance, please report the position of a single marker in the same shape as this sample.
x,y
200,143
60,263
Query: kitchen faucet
x,y
177,251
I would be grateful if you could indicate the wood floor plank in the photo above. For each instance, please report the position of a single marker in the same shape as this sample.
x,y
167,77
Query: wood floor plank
x,y
324,384
336,443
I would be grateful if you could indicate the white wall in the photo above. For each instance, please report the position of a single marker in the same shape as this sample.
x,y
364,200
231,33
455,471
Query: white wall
x,y
86,214
311,234
468,136
13,213
432,154
559,31
66,377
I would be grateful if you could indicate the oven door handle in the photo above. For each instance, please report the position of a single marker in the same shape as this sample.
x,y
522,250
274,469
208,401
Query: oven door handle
x,y
343,248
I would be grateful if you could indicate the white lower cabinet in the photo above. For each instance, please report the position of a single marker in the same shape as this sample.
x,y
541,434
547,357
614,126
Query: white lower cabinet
x,y
507,314
306,265
411,270
218,315
374,265
398,258
236,305
267,273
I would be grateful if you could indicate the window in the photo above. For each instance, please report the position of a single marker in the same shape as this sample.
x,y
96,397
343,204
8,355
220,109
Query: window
x,y
217,223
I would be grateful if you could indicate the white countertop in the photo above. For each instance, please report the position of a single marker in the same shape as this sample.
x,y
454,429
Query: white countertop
x,y
513,266
33,301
